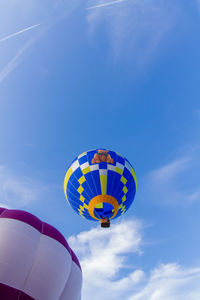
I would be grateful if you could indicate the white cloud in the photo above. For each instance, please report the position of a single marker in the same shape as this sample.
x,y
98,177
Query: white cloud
x,y
16,191
134,27
107,260
169,171
103,255
170,282
175,182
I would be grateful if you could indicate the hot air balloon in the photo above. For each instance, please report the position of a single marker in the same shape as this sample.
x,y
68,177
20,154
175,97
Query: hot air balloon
x,y
36,261
100,185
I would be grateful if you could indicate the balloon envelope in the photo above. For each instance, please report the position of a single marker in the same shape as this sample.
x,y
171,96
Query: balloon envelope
x,y
36,261
100,184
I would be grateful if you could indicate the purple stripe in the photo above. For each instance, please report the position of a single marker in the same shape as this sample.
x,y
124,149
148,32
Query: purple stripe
x,y
2,209
23,216
9,293
52,232
75,259
36,223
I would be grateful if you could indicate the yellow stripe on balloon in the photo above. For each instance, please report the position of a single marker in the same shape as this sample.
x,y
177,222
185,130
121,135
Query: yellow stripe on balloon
x,y
134,176
67,176
103,180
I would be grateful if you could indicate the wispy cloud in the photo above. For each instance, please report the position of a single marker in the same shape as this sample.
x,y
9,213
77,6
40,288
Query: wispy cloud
x,y
52,13
175,182
18,191
19,32
170,170
105,4
136,29
170,282
107,259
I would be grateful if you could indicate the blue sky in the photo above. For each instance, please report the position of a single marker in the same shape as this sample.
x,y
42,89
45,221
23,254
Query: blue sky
x,y
123,76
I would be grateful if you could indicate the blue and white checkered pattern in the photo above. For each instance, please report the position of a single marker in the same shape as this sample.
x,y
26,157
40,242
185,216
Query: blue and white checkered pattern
x,y
84,180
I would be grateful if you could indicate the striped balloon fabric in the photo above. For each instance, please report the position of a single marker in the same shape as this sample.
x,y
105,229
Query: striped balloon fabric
x,y
100,184
36,261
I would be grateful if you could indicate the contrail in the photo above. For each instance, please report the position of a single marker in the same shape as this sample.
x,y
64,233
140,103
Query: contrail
x,y
13,63
105,4
19,32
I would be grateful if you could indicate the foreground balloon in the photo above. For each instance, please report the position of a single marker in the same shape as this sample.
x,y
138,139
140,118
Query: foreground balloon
x,y
35,260
100,185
